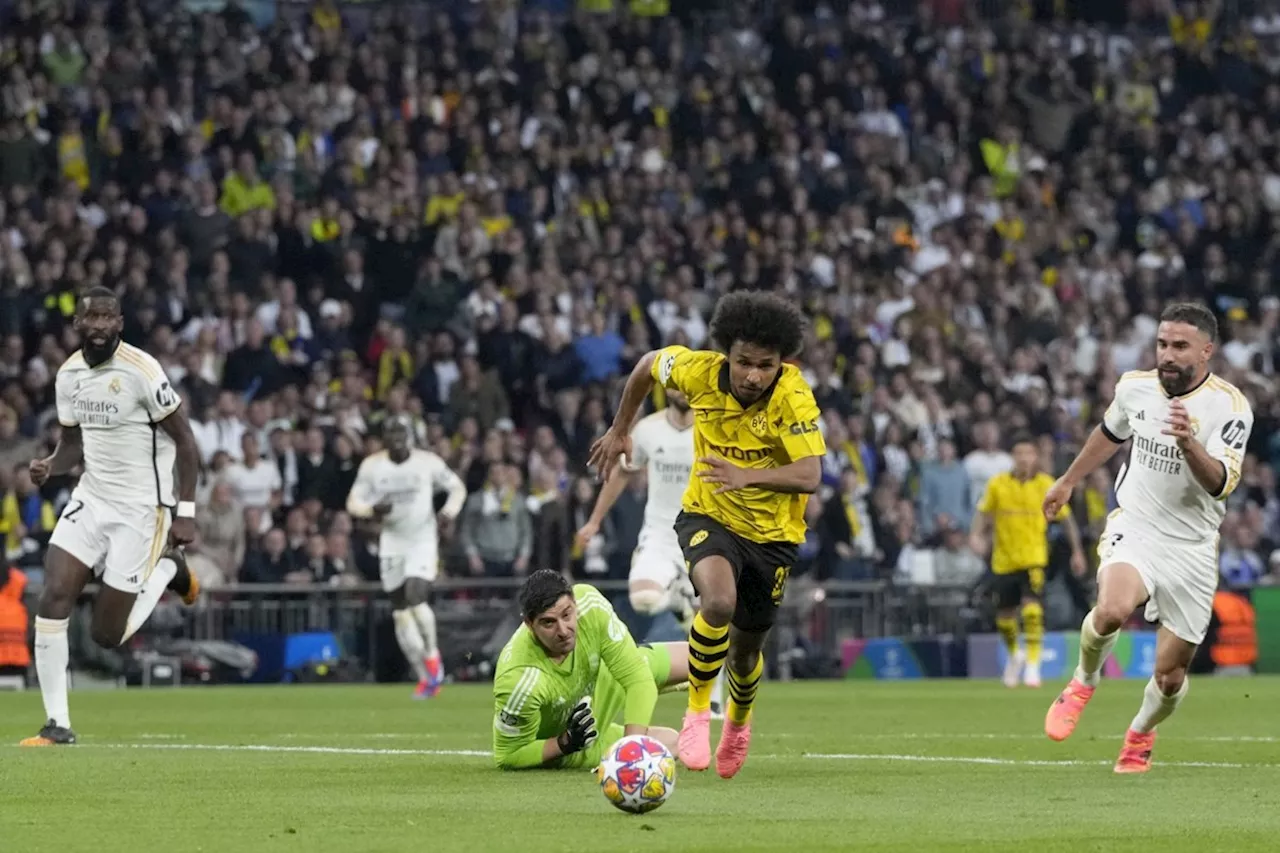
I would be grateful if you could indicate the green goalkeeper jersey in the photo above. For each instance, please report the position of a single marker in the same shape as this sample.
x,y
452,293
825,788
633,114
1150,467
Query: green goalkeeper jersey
x,y
533,695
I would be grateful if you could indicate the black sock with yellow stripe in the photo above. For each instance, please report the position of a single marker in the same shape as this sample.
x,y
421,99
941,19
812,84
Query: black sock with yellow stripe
x,y
1007,628
1033,629
708,646
742,692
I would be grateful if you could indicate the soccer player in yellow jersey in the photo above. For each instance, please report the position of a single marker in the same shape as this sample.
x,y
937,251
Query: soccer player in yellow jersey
x,y
1011,507
757,452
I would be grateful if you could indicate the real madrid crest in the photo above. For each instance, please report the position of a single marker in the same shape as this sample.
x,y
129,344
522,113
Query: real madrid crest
x,y
114,387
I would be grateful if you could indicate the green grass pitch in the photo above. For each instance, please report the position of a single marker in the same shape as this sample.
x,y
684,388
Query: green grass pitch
x,y
869,766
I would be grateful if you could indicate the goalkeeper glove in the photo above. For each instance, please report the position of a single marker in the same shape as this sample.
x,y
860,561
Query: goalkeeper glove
x,y
581,732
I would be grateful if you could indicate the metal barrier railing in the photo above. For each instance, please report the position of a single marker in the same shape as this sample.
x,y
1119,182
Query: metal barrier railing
x,y
820,615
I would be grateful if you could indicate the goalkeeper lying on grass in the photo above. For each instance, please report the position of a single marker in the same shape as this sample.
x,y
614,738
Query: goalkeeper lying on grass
x,y
573,663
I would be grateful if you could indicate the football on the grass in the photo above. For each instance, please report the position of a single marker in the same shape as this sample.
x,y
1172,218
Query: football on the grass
x,y
637,774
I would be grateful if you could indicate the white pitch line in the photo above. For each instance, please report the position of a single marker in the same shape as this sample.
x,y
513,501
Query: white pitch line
x,y
1003,736
323,750
1016,762
476,753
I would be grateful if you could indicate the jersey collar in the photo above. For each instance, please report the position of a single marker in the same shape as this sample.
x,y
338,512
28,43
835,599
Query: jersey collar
x,y
726,387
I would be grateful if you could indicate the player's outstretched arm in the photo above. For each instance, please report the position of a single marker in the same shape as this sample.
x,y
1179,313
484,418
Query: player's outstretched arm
x,y
1101,445
610,447
978,529
452,485
360,500
802,477
801,438
628,666
178,428
609,493
66,456
517,717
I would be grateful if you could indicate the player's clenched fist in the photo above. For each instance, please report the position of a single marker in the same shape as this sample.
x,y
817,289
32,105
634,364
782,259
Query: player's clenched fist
x,y
1179,422
182,531
581,732
1056,498
39,470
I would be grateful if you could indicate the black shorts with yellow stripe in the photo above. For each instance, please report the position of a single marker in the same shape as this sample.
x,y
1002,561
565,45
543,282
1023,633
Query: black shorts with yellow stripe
x,y
760,568
1013,588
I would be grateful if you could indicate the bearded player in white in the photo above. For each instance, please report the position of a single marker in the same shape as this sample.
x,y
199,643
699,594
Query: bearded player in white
x,y
398,486
662,446
119,416
1188,430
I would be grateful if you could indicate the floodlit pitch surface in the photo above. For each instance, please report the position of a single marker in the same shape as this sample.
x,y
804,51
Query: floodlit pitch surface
x,y
834,766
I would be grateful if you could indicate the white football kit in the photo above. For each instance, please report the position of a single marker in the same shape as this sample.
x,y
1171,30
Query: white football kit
x,y
409,545
667,453
1167,524
118,516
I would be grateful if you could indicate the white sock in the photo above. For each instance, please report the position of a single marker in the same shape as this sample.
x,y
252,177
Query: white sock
x,y
410,639
1094,648
717,691
426,619
150,595
52,656
1157,707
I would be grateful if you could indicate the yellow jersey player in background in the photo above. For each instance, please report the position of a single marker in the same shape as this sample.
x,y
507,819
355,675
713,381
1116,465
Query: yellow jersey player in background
x,y
757,452
1012,508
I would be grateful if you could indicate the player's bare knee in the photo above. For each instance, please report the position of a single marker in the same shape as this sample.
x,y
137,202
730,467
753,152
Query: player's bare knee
x,y
1170,681
645,601
415,591
106,636
1109,617
55,603
718,606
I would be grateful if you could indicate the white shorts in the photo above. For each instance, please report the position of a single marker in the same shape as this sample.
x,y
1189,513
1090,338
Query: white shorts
x,y
1181,577
401,560
122,542
657,558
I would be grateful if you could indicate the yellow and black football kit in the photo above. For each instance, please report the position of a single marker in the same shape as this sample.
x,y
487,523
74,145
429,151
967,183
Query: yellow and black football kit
x,y
1019,553
757,530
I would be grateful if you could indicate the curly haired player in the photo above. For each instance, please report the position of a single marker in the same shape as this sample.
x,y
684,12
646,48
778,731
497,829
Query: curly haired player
x,y
758,452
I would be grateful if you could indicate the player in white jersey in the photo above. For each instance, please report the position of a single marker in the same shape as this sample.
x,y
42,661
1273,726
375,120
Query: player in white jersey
x,y
398,486
662,446
121,418
1188,430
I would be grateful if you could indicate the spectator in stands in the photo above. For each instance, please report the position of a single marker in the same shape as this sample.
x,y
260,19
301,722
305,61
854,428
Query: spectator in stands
x,y
944,491
272,562
221,533
497,535
255,483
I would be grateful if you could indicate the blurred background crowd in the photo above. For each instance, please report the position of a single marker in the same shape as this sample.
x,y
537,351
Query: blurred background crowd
x,y
481,213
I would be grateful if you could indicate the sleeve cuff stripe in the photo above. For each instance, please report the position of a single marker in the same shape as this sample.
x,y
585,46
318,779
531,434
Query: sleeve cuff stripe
x,y
1111,436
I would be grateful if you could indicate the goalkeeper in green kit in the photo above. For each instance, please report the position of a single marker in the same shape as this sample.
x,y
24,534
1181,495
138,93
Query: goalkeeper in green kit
x,y
571,665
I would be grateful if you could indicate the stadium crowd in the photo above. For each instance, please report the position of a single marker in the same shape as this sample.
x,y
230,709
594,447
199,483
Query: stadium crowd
x,y
481,218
